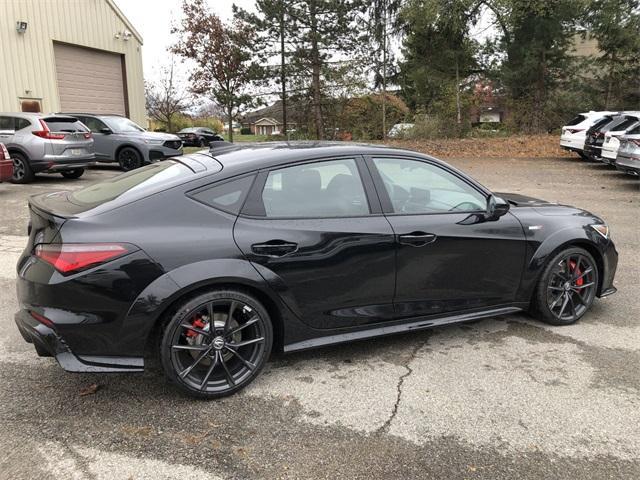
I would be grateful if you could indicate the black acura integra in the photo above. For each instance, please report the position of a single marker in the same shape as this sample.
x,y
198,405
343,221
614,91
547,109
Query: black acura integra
x,y
211,261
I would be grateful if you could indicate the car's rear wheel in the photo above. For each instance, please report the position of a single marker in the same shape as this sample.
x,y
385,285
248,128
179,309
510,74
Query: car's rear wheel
x,y
75,173
216,343
22,172
567,287
129,159
202,142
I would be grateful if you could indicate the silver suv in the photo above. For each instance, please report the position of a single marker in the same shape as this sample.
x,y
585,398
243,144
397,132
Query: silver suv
x,y
46,143
118,139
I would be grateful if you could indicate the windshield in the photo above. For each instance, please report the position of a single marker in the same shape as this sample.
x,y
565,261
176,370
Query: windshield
x,y
188,130
122,125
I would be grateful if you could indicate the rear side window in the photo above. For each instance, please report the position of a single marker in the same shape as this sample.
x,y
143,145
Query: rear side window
x,y
630,121
316,190
61,124
600,123
22,123
635,131
576,120
133,185
13,123
93,124
228,196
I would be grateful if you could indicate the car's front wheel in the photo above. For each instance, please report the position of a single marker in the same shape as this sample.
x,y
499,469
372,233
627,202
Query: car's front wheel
x,y
216,343
22,172
202,142
567,287
129,159
75,173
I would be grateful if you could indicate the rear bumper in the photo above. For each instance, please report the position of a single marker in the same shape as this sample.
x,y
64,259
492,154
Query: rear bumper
x,y
52,163
48,343
630,165
572,144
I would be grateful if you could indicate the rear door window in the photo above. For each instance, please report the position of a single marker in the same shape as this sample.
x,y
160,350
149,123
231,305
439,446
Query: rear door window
x,y
576,120
133,185
316,190
62,124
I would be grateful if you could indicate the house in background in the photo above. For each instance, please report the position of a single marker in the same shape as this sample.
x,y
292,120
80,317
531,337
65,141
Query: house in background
x,y
266,121
70,56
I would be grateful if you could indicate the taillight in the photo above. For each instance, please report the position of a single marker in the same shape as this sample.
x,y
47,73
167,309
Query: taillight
x,y
69,258
4,153
87,135
635,141
41,318
46,133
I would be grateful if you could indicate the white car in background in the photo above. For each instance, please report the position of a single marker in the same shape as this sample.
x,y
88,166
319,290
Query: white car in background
x,y
574,133
612,137
400,130
628,159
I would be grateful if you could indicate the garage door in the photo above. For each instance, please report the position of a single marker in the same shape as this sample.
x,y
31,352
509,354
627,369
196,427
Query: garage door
x,y
89,81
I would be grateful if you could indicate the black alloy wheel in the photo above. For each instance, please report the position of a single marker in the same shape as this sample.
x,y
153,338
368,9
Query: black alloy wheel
x,y
129,159
217,343
72,174
567,287
21,169
202,142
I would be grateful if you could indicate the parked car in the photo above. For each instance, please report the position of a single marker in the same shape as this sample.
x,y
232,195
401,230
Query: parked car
x,y
611,141
399,130
213,261
6,164
595,135
198,136
574,132
46,143
118,139
628,159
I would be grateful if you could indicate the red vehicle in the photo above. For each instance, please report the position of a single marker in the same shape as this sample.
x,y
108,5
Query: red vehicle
x,y
6,164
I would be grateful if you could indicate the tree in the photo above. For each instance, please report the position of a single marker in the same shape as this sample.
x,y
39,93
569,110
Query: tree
x,y
271,25
222,56
615,24
164,99
438,51
323,31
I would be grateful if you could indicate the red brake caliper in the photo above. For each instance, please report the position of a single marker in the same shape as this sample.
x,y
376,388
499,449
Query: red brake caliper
x,y
580,281
198,323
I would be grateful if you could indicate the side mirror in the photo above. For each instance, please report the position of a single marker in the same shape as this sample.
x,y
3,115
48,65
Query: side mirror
x,y
496,207
106,131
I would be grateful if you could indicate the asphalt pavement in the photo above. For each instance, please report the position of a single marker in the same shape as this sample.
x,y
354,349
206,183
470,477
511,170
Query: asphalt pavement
x,y
501,398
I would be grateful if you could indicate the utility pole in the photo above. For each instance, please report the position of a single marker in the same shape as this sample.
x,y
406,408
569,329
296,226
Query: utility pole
x,y
384,70
283,75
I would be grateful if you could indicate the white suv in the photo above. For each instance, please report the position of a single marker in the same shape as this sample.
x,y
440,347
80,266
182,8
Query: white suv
x,y
574,133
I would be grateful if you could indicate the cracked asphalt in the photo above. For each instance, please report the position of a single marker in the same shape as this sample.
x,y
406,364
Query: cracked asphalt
x,y
500,398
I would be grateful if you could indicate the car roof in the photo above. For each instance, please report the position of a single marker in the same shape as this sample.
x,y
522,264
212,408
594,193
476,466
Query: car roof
x,y
34,114
97,115
248,156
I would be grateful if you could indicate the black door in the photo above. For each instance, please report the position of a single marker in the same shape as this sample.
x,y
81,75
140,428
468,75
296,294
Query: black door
x,y
314,233
448,258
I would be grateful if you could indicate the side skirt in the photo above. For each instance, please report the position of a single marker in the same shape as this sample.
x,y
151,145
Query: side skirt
x,y
393,329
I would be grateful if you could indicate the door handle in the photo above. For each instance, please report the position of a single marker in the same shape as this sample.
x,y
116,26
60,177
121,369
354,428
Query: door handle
x,y
417,239
274,248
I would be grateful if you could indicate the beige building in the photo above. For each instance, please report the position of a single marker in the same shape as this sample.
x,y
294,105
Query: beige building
x,y
70,56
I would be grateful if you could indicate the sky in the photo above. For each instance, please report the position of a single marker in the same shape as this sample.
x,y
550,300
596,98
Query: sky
x,y
152,19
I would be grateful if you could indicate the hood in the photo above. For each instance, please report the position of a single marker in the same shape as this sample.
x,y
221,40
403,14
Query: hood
x,y
153,135
542,207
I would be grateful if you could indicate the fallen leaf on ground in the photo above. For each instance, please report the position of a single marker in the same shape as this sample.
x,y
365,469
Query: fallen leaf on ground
x,y
90,390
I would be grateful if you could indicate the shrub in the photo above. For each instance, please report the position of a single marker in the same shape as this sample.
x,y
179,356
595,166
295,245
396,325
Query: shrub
x,y
362,116
245,131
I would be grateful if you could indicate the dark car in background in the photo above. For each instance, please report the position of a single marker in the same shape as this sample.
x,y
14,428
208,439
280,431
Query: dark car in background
x,y
199,136
212,260
47,143
6,164
118,139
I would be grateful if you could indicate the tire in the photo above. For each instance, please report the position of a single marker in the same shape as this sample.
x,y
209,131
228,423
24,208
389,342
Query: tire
x,y
202,142
563,296
22,172
129,159
73,174
202,362
583,156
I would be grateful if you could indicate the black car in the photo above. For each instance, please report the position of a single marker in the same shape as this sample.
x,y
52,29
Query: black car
x,y
595,135
214,260
198,136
